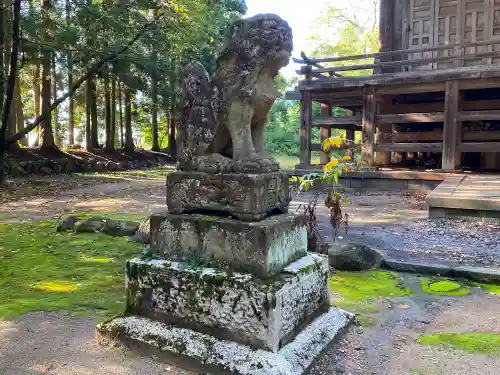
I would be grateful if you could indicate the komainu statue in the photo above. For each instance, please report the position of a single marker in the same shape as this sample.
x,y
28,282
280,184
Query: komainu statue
x,y
222,118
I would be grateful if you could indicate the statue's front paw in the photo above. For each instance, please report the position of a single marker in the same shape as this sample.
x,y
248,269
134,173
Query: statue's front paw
x,y
256,165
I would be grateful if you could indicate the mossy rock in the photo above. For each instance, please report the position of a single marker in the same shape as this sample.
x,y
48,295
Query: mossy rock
x,y
476,342
90,225
118,228
444,287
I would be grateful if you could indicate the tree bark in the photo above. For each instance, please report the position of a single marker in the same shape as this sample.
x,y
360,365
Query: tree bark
x,y
38,98
10,87
94,127
113,112
110,142
18,105
120,109
55,113
71,105
47,134
155,145
88,100
129,140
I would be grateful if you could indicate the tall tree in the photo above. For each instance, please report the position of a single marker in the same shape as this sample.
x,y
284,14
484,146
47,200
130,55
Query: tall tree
x,y
110,139
47,134
129,140
94,125
71,104
9,94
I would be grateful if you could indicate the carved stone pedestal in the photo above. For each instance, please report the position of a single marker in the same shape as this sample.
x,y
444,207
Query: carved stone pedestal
x,y
248,197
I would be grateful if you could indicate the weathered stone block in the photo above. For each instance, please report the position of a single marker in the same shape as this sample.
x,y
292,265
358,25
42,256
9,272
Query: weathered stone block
x,y
263,248
262,313
209,354
249,197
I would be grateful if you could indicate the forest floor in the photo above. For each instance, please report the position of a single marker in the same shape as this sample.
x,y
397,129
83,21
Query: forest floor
x,y
42,274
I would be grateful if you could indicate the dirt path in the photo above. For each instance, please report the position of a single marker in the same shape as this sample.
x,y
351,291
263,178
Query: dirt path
x,y
55,344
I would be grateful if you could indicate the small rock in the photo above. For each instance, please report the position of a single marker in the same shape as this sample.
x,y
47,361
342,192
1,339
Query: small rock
x,y
92,224
143,235
67,223
119,228
353,257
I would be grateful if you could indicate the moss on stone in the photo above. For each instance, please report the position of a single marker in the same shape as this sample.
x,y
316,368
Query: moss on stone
x,y
359,292
490,288
444,287
476,342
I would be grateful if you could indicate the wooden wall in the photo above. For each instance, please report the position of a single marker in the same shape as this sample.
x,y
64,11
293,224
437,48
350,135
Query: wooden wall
x,y
406,24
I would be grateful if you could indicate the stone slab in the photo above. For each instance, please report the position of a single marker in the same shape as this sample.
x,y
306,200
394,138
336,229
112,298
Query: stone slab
x,y
478,192
249,197
262,313
210,353
263,248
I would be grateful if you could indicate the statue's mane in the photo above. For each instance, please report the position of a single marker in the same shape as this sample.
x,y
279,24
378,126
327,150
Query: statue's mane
x,y
250,44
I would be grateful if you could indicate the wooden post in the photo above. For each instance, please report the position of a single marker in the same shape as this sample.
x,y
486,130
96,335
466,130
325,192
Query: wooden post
x,y
305,128
399,157
452,129
386,26
384,158
325,133
368,126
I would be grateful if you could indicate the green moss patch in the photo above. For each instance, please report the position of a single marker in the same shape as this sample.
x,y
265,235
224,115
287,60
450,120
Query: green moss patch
x,y
490,288
78,273
359,292
484,343
444,287
111,215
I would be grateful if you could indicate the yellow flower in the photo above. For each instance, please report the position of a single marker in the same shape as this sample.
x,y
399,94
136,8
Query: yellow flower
x,y
329,165
346,158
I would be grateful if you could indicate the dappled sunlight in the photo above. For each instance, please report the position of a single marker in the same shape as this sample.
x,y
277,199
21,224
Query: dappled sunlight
x,y
53,286
97,259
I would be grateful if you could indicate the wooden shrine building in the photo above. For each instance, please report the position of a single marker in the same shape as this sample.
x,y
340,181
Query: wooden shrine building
x,y
433,98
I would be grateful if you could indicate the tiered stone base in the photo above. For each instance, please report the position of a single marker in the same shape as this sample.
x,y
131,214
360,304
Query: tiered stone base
x,y
262,313
201,351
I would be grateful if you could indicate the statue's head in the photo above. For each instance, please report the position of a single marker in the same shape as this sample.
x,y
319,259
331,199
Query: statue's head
x,y
262,41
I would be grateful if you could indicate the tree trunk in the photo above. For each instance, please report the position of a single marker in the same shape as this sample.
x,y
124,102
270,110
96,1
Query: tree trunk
x,y
110,142
88,101
55,113
120,109
94,128
11,83
71,105
47,134
172,147
38,99
155,145
129,140
18,105
113,112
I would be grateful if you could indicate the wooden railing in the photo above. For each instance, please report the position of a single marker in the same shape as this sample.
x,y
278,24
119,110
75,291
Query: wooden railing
x,y
456,52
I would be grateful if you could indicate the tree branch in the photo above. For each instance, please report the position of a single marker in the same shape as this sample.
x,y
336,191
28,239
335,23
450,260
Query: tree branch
x,y
92,70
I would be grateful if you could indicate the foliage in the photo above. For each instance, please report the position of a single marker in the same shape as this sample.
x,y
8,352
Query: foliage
x,y
78,273
334,199
359,292
347,32
474,342
443,287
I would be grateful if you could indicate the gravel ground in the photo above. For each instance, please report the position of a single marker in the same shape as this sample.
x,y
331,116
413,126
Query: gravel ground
x,y
397,224
390,347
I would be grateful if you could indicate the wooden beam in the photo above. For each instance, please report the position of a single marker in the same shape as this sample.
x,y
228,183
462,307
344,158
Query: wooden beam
x,y
383,158
480,147
409,147
411,88
369,124
325,132
338,120
408,118
395,64
402,52
471,105
482,135
479,115
482,82
451,136
305,128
